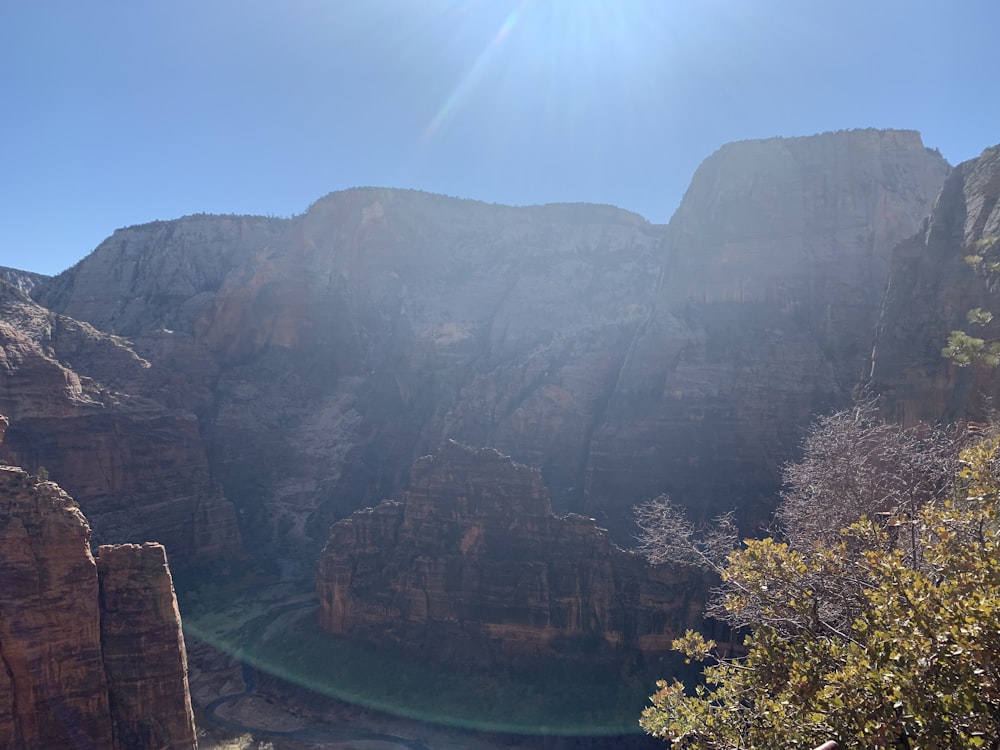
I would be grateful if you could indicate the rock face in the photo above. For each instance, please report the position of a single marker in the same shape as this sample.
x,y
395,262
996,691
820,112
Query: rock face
x,y
931,289
319,356
473,545
69,678
53,689
23,280
144,656
81,404
773,271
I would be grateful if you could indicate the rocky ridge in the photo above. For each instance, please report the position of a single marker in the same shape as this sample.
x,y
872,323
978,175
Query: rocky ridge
x,y
931,289
473,546
25,281
69,677
321,355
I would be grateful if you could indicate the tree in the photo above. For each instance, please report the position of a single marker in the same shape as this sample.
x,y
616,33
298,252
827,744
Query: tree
x,y
963,348
885,634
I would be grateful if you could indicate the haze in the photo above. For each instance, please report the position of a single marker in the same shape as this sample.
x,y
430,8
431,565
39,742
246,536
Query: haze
x,y
122,113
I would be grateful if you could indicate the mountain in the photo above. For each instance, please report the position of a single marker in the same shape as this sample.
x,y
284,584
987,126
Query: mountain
x,y
931,289
23,280
84,405
319,356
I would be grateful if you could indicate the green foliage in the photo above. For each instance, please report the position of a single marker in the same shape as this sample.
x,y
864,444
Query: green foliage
x,y
964,349
904,651
43,473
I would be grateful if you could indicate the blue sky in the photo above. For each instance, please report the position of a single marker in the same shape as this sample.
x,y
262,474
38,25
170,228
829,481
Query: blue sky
x,y
119,113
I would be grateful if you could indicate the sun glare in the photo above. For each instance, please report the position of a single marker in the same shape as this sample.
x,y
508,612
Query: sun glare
x,y
564,45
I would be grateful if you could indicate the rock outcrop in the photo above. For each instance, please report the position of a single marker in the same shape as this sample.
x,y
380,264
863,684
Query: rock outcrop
x,y
82,405
69,678
321,355
143,649
23,280
473,546
931,289
773,272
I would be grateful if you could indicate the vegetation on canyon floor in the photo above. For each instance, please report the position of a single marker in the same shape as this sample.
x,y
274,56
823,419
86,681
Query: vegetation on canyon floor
x,y
879,631
270,625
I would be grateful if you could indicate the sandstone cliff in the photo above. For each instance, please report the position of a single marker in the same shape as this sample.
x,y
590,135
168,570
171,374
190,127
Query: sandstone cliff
x,y
82,405
473,545
68,677
322,354
773,272
143,649
931,288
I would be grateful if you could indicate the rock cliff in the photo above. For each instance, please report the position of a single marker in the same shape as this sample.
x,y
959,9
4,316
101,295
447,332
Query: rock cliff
x,y
473,545
321,355
773,270
23,280
931,289
143,649
68,677
82,404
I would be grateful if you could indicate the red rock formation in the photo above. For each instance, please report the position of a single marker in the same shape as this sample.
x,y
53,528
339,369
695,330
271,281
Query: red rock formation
x,y
53,689
75,397
144,656
931,289
473,544
69,676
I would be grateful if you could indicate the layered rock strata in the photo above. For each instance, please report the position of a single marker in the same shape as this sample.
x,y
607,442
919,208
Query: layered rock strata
x,y
143,648
931,289
473,544
82,405
773,271
322,354
69,678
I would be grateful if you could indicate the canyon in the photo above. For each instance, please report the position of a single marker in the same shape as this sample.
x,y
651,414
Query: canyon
x,y
462,402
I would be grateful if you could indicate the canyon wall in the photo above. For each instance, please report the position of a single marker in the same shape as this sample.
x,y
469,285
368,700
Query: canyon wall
x,y
931,289
68,677
773,271
473,547
317,357
84,405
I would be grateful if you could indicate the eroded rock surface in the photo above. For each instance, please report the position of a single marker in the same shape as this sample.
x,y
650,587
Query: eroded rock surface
x,y
931,289
143,648
322,354
473,544
83,405
84,664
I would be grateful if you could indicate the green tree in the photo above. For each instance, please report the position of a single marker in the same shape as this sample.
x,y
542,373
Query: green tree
x,y
884,635
964,348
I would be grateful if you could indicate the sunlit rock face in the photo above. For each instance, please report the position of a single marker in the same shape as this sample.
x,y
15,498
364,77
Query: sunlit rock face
x,y
70,677
473,545
931,289
83,405
322,354
143,649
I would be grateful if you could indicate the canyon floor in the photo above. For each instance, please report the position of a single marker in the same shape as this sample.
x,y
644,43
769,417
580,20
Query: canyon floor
x,y
263,677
